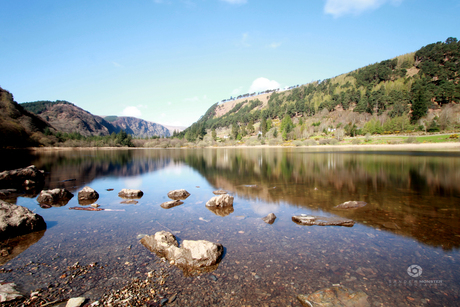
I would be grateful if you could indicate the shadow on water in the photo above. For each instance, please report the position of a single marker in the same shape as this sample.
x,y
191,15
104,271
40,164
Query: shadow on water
x,y
51,224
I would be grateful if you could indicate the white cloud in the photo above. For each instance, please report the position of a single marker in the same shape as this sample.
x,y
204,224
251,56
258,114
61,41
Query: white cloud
x,y
274,45
236,1
263,84
131,111
117,64
339,8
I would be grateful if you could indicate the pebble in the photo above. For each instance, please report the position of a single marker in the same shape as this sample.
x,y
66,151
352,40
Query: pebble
x,y
213,277
75,302
163,301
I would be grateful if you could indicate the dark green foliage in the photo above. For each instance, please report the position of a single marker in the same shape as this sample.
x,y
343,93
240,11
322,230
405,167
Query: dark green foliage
x,y
376,73
119,139
38,107
419,102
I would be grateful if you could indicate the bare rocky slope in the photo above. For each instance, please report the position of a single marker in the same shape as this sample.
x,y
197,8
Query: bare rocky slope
x,y
67,117
139,127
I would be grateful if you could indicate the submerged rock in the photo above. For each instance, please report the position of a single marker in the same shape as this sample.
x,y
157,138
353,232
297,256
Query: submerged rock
x,y
270,218
221,211
192,254
8,292
88,193
171,204
337,296
351,204
129,193
17,220
220,201
178,194
54,197
22,177
220,192
309,220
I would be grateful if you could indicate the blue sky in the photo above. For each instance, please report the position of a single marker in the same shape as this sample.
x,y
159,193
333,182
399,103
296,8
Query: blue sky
x,y
168,61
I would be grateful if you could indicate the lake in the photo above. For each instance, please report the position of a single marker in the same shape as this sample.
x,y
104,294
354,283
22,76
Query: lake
x,y
412,218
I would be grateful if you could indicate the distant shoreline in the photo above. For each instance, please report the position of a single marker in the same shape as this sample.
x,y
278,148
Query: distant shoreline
x,y
448,146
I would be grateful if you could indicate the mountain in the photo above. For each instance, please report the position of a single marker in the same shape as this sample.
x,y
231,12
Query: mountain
x,y
139,127
67,117
415,91
18,127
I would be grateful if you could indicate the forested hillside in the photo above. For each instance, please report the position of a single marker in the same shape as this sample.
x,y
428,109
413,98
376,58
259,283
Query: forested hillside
x,y
416,91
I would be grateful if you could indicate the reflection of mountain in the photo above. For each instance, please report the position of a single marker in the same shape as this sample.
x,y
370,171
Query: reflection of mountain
x,y
414,196
76,168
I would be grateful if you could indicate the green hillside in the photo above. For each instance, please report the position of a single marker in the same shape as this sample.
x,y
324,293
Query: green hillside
x,y
415,91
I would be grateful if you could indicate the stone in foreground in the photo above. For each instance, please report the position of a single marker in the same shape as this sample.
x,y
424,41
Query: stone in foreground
x,y
8,292
192,254
269,219
88,193
54,197
309,220
351,204
171,204
129,193
337,296
75,302
178,194
220,201
17,220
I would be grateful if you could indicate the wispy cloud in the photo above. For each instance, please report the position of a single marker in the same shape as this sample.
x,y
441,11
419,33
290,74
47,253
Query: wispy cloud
x,y
117,64
235,1
274,45
339,8
244,41
263,84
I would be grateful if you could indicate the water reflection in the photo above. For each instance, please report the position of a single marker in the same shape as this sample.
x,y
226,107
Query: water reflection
x,y
11,248
409,194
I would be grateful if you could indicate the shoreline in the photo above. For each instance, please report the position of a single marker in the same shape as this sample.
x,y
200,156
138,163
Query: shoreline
x,y
447,146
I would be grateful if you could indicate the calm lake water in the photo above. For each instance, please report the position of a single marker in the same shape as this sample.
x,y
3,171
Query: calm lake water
x,y
412,217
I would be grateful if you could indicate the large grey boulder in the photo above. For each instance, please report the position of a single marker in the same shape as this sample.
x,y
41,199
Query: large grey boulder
x,y
220,201
130,193
192,254
178,194
336,296
310,220
58,197
22,178
17,220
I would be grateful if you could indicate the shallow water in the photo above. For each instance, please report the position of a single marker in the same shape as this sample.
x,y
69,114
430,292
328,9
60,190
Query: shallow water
x,y
412,217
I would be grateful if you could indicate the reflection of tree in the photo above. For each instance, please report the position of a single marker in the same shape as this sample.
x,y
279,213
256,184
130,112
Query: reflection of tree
x,y
412,195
